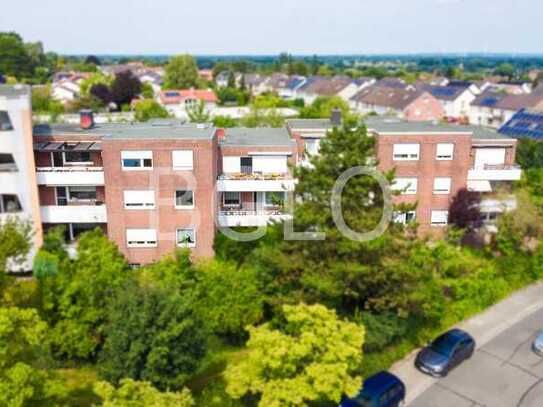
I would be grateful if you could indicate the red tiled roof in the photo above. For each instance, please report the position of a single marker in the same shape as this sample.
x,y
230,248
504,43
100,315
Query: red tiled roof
x,y
177,96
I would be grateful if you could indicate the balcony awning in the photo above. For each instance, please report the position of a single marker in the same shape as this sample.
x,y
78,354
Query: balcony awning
x,y
479,186
62,146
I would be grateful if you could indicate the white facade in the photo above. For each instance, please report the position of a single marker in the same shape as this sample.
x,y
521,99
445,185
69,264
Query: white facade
x,y
18,185
459,107
488,116
74,214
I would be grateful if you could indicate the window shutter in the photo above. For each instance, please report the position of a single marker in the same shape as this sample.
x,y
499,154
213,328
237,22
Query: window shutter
x,y
182,160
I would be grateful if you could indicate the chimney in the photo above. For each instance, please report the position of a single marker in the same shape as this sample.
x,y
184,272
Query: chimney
x,y
86,119
220,133
336,117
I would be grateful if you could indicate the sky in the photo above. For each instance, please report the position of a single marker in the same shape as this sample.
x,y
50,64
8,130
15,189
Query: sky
x,y
270,27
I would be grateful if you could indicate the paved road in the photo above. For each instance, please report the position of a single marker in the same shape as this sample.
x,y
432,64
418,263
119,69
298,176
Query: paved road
x,y
504,372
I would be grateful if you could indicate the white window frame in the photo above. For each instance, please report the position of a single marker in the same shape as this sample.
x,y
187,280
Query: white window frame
x,y
178,244
186,156
224,204
439,185
144,204
140,155
436,217
412,188
145,241
401,217
443,153
398,154
183,206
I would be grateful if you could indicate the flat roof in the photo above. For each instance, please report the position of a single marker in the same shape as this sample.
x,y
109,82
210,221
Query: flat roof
x,y
260,136
149,130
313,124
14,91
393,125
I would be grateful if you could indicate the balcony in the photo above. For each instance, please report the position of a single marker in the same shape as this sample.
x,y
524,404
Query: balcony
x,y
255,182
74,213
65,176
489,172
247,218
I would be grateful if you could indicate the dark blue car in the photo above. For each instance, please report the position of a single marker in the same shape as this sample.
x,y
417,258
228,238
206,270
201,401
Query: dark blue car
x,y
380,390
445,353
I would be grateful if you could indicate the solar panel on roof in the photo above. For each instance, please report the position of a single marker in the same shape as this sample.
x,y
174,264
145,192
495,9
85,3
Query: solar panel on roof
x,y
172,94
489,101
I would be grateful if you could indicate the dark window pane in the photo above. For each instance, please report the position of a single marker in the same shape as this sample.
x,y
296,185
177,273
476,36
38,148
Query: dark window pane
x,y
5,123
77,157
7,163
10,204
147,162
131,163
184,198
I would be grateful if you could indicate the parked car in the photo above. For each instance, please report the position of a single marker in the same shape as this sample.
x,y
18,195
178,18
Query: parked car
x,y
445,353
537,345
380,390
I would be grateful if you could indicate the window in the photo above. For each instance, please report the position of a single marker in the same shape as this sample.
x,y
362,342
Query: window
x,y
137,160
7,163
76,157
407,186
406,152
82,193
5,123
182,160
186,237
439,218
231,198
141,238
404,217
444,151
312,146
139,199
78,228
276,198
442,186
246,165
9,204
184,199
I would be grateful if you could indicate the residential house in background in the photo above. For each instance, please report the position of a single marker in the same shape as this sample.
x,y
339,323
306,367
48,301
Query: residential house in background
x,y
206,74
179,102
290,89
255,83
152,77
494,107
526,123
456,100
411,105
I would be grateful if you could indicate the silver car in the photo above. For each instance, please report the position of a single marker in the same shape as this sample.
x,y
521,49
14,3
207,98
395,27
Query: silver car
x,y
537,346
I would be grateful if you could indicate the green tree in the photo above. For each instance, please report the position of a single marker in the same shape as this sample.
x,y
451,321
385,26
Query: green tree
x,y
75,298
322,108
224,122
181,73
43,102
199,113
153,335
228,299
132,393
14,60
94,79
149,109
22,338
505,69
310,356
15,243
339,272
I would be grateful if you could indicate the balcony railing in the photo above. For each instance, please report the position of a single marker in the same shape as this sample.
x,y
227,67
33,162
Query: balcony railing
x,y
248,212
496,167
69,169
255,176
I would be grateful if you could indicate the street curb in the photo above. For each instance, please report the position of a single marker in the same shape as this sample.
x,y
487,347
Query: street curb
x,y
484,327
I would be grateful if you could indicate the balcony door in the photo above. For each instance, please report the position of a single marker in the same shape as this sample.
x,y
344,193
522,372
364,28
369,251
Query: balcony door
x,y
246,164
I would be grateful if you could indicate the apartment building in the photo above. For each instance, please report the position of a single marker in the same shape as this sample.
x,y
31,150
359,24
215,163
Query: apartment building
x,y
255,175
18,191
160,185
432,162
